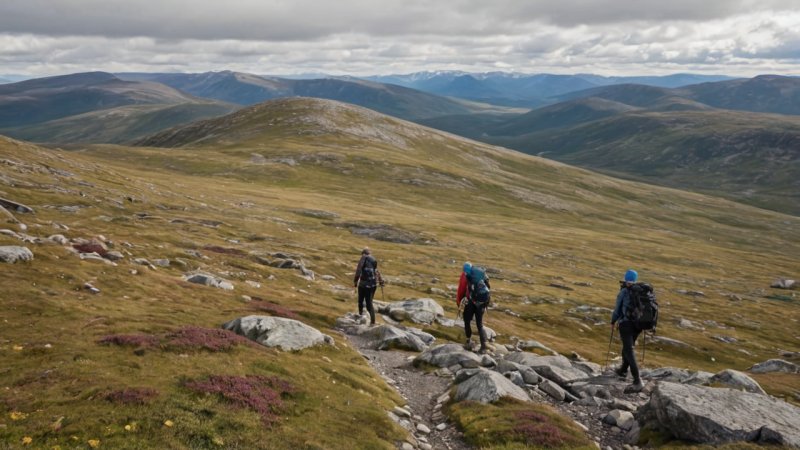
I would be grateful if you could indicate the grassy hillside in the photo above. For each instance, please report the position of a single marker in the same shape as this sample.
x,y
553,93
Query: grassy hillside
x,y
305,177
753,158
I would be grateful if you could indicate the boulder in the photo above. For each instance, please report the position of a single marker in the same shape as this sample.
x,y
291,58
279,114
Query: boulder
x,y
288,334
667,341
555,368
676,375
13,253
775,365
719,415
619,418
448,355
533,344
387,337
59,239
423,310
553,390
209,280
783,283
528,375
737,380
488,386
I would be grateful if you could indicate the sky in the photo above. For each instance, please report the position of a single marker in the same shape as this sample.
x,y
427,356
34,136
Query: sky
x,y
380,37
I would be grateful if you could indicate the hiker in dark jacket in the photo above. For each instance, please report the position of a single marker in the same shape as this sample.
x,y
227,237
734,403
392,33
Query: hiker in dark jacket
x,y
366,279
471,308
628,331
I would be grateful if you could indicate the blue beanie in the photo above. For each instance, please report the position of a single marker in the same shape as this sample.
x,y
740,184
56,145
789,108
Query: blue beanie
x,y
467,268
631,276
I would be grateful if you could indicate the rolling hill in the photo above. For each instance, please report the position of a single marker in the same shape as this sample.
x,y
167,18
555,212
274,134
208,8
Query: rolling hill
x,y
311,180
96,107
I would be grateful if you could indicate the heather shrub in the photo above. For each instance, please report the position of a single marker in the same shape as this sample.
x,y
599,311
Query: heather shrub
x,y
261,394
132,396
210,339
275,309
131,340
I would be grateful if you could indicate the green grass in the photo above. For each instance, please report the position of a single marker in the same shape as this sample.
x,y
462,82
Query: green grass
x,y
463,205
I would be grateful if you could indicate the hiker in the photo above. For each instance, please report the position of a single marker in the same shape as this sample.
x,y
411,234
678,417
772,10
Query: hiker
x,y
473,288
367,279
628,331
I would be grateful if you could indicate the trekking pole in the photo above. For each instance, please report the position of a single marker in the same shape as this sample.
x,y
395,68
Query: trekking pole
x,y
610,340
644,346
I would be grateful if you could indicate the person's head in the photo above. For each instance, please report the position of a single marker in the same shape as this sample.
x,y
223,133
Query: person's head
x,y
366,251
631,276
467,267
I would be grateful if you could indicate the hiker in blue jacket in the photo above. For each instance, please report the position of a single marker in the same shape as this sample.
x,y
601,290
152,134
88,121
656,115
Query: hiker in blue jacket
x,y
366,280
473,288
628,331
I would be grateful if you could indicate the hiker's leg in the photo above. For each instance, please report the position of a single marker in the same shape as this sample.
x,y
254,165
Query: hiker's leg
x,y
362,295
468,312
634,365
479,323
627,332
370,294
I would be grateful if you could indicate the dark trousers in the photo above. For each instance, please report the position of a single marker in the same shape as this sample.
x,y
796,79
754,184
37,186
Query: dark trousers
x,y
472,310
629,333
365,295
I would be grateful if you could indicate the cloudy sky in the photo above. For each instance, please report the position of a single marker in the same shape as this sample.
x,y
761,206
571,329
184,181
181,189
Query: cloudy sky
x,y
362,37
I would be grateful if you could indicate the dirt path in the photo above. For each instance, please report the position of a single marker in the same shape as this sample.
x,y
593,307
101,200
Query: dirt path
x,y
420,390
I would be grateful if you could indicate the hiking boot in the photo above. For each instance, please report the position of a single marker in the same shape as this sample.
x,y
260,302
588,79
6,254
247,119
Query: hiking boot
x,y
468,345
637,386
483,350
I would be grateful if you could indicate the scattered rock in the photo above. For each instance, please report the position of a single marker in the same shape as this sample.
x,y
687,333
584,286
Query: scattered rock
x,y
288,334
209,280
691,293
737,380
533,344
89,287
725,339
783,283
448,355
58,239
719,415
423,310
14,206
622,419
487,386
555,368
775,365
689,325
553,390
161,262
668,341
677,375
12,253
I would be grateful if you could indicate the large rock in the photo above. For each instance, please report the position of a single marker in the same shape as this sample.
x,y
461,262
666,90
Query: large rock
x,y
488,386
448,355
288,334
737,380
387,337
422,310
554,368
209,280
676,375
775,365
12,253
720,415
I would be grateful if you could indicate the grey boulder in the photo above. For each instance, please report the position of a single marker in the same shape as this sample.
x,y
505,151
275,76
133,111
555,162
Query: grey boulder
x,y
288,334
775,365
720,415
13,253
209,280
737,380
422,310
488,386
448,355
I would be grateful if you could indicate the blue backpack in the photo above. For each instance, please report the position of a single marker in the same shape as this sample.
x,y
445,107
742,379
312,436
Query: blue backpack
x,y
479,293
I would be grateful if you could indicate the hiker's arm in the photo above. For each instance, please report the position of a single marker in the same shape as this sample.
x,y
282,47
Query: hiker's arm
x,y
617,314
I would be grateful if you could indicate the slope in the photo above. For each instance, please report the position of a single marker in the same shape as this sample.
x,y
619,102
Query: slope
x,y
43,99
315,181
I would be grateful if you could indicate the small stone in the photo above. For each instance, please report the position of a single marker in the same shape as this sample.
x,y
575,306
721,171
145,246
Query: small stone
x,y
401,412
407,446
425,446
422,428
441,426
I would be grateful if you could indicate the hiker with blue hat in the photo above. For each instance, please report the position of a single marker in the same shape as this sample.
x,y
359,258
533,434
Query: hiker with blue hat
x,y
628,331
473,297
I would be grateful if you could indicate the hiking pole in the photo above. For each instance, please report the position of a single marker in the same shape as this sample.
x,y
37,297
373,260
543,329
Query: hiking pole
x,y
610,339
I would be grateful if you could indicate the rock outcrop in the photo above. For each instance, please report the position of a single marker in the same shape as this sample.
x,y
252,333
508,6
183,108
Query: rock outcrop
x,y
737,380
422,310
208,280
288,334
775,365
13,253
487,386
720,415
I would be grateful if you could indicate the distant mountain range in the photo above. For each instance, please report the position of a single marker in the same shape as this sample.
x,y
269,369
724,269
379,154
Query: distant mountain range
x,y
522,90
736,138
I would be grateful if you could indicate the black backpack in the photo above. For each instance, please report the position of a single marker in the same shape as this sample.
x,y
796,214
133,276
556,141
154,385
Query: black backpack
x,y
368,275
479,293
643,308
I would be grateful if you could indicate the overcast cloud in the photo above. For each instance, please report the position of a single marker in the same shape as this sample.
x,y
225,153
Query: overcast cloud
x,y
361,37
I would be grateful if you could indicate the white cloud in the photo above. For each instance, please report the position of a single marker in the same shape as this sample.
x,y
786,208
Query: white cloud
x,y
737,37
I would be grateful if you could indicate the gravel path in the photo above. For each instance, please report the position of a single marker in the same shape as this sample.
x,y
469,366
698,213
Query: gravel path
x,y
420,390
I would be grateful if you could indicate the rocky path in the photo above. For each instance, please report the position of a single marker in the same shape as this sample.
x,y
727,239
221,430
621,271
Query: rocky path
x,y
424,392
